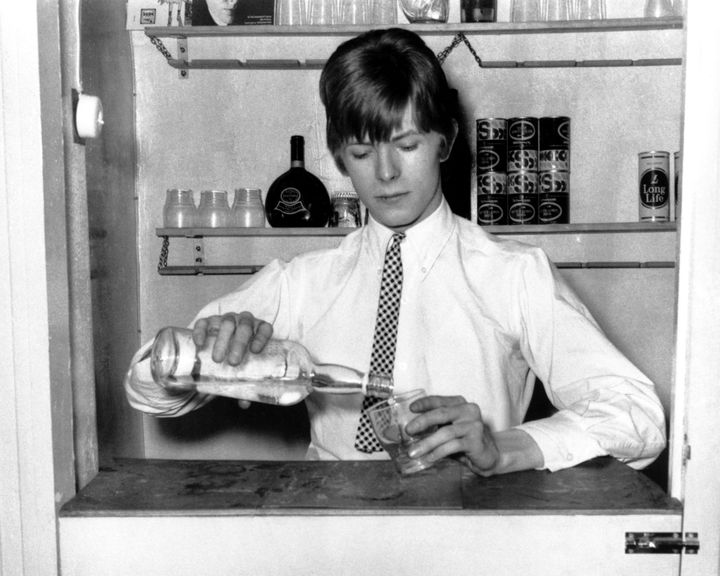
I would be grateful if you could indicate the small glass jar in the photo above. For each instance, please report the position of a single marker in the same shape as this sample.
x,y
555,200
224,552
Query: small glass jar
x,y
425,11
248,210
179,210
214,210
345,210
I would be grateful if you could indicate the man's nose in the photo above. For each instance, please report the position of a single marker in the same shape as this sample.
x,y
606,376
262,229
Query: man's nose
x,y
387,166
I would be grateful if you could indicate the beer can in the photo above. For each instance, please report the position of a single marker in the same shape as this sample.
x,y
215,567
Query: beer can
x,y
523,133
491,129
654,186
522,159
522,197
491,198
677,169
554,159
554,197
491,157
554,133
522,182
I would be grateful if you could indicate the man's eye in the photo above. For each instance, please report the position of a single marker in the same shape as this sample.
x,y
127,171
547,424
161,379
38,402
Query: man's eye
x,y
360,155
408,147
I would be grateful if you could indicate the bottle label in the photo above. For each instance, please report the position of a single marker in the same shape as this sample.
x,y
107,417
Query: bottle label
x,y
290,202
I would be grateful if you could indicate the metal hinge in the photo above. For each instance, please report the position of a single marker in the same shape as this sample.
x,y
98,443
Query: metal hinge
x,y
661,543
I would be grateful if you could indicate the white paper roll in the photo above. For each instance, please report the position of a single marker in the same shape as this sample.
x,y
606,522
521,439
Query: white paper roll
x,y
89,116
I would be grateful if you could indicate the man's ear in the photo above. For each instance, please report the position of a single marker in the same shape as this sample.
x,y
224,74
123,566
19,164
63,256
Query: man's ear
x,y
448,141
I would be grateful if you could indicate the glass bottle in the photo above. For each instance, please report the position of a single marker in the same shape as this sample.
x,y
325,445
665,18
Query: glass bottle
x,y
214,210
282,374
248,210
297,197
346,210
179,210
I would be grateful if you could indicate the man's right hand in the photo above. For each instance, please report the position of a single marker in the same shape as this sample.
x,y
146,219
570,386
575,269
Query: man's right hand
x,y
236,334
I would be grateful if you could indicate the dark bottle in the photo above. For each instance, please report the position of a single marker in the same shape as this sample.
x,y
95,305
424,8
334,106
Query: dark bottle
x,y
297,198
483,11
456,171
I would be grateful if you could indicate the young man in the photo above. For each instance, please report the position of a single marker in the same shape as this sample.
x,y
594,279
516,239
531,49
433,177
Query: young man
x,y
479,317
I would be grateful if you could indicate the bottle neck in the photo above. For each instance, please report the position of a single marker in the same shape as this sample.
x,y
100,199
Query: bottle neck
x,y
297,152
335,379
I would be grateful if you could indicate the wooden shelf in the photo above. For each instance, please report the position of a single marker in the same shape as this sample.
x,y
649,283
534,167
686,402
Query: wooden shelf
x,y
572,26
595,228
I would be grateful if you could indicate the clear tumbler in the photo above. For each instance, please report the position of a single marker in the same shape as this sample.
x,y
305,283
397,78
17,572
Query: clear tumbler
x,y
179,210
248,210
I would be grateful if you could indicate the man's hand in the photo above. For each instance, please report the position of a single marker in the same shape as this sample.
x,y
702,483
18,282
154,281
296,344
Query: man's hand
x,y
461,432
235,335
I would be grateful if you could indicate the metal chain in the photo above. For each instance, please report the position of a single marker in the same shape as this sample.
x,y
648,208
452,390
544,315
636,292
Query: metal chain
x,y
164,253
459,37
161,47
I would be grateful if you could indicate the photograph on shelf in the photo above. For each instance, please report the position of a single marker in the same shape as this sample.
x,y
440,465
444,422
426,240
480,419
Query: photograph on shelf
x,y
229,12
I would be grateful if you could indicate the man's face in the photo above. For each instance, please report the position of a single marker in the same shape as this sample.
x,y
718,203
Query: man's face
x,y
222,10
398,180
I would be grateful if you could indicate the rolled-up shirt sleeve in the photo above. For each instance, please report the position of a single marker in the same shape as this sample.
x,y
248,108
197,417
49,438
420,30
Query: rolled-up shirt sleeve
x,y
606,406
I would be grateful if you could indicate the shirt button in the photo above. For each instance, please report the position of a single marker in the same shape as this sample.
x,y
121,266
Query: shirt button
x,y
423,269
569,457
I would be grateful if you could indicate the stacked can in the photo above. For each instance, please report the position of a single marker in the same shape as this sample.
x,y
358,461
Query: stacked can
x,y
491,170
554,175
654,186
522,179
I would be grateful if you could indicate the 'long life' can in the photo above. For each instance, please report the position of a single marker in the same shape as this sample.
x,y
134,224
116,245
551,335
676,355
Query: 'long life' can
x,y
491,199
677,169
654,186
554,197
491,149
554,133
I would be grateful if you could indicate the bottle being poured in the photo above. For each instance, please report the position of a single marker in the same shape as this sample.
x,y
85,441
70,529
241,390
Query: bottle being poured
x,y
283,374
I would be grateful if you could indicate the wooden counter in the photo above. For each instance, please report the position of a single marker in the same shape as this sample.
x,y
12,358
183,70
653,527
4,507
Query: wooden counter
x,y
171,487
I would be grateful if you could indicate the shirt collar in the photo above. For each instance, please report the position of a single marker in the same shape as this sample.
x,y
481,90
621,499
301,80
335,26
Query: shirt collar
x,y
423,241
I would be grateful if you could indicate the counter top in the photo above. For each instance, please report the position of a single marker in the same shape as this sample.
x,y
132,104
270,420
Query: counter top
x,y
224,488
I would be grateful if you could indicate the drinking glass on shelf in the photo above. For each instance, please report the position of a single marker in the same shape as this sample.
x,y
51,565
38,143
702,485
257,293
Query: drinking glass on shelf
x,y
248,210
290,12
382,12
658,9
557,10
214,210
590,10
322,12
353,11
179,210
525,11
678,7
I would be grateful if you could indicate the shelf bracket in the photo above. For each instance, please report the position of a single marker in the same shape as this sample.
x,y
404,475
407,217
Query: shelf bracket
x,y
183,57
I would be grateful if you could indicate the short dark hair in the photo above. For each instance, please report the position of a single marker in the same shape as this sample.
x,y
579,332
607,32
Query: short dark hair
x,y
369,80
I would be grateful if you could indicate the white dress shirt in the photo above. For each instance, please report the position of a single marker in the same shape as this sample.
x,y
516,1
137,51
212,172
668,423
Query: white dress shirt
x,y
480,316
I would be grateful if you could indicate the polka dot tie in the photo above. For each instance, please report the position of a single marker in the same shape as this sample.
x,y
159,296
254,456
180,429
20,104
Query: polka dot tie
x,y
383,351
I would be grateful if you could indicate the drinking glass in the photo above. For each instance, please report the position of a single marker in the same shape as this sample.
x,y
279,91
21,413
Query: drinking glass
x,y
382,12
323,12
290,13
354,11
214,210
179,210
658,9
425,11
590,10
389,419
678,7
248,210
556,10
525,11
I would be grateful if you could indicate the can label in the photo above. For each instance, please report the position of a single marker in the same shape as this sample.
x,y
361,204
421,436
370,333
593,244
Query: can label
x,y
491,209
491,129
555,159
522,208
523,133
522,182
522,159
554,208
554,181
554,133
492,183
491,157
654,186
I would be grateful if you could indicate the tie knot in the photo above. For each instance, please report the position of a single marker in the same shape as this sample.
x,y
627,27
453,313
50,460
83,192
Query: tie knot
x,y
397,237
